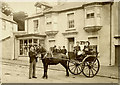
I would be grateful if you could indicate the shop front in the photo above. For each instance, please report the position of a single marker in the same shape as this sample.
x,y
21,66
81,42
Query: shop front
x,y
24,42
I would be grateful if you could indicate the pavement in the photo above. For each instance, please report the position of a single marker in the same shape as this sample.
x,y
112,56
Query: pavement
x,y
105,71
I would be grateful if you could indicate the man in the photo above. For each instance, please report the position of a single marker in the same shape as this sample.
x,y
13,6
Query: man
x,y
64,51
77,49
32,68
59,50
54,50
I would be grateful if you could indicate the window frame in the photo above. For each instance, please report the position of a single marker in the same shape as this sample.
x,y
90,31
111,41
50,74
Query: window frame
x,y
46,19
3,25
36,25
90,15
71,23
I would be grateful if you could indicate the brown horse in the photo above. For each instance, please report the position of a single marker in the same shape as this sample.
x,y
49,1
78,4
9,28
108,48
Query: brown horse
x,y
48,59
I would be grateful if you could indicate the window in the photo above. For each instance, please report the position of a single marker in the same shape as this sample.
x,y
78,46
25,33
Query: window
x,y
48,20
12,26
35,25
90,15
21,47
3,24
25,45
70,20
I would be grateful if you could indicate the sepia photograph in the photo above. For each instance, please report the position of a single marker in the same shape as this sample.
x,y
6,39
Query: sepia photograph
x,y
59,41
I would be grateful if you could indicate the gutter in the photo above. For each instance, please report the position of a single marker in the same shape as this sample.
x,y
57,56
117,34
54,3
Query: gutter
x,y
111,32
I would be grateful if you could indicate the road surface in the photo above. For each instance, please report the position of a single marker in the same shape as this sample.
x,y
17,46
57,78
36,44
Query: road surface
x,y
14,73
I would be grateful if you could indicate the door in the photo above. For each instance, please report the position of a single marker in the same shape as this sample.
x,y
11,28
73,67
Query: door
x,y
117,54
70,44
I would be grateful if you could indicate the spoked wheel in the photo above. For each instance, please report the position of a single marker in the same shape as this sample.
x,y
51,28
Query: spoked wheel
x,y
91,68
75,67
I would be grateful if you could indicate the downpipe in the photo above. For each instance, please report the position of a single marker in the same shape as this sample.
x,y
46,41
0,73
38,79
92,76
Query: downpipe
x,y
111,32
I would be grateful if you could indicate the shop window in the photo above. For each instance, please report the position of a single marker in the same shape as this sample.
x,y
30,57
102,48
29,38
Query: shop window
x,y
21,47
25,47
35,42
30,43
26,44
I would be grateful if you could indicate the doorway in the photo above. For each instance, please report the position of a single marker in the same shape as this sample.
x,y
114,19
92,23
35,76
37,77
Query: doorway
x,y
70,44
117,54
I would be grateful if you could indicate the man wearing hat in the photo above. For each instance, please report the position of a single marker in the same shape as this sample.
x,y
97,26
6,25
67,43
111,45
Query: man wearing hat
x,y
32,68
77,48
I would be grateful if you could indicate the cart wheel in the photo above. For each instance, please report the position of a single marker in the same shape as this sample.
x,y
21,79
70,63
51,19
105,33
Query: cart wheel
x,y
91,68
75,67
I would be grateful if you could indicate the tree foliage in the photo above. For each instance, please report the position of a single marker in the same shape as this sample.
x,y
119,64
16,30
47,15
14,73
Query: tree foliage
x,y
5,8
19,17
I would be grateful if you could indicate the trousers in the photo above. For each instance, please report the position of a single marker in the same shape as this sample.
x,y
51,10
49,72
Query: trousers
x,y
32,69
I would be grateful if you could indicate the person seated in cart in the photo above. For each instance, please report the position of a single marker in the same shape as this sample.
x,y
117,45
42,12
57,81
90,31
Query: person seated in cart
x,y
77,49
87,47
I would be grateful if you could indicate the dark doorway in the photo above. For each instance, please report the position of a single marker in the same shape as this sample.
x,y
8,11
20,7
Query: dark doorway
x,y
117,54
70,44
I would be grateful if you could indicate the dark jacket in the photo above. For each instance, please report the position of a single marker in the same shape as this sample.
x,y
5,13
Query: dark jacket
x,y
64,51
59,51
41,50
54,51
32,56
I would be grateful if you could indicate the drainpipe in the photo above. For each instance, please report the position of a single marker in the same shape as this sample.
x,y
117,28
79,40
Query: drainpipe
x,y
14,48
110,32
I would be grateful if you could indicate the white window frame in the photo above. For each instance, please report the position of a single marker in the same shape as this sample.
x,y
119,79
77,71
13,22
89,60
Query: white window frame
x,y
36,28
3,24
73,12
48,22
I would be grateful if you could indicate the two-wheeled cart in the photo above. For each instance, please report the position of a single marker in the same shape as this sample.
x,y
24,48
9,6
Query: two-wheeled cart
x,y
87,63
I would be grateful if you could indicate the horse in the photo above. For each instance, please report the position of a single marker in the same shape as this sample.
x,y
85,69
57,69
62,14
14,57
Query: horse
x,y
49,59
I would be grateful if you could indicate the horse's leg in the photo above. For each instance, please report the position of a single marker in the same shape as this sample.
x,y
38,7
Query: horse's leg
x,y
45,64
44,68
65,65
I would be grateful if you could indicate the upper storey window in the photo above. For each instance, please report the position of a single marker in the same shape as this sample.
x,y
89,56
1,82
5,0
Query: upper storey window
x,y
90,15
35,25
4,24
48,20
70,20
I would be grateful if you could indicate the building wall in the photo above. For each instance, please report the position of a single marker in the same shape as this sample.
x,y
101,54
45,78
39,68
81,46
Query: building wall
x,y
7,37
8,48
102,38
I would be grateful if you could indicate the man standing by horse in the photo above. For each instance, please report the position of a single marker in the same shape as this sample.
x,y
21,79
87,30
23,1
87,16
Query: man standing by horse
x,y
32,68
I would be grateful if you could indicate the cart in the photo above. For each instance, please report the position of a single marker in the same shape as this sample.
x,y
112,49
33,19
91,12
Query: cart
x,y
87,63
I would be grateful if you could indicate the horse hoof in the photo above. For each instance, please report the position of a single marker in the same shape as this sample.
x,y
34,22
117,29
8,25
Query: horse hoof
x,y
46,77
43,77
67,75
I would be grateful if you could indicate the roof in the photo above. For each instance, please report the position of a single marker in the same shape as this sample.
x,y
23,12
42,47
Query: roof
x,y
7,18
67,5
38,4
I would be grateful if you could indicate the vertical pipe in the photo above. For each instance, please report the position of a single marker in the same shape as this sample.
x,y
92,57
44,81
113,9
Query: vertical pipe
x,y
110,31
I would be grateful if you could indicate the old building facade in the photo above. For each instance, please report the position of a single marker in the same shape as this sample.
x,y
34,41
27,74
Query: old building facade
x,y
8,27
66,23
